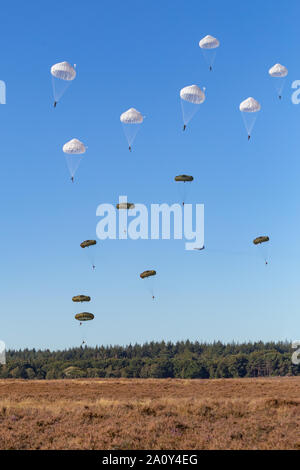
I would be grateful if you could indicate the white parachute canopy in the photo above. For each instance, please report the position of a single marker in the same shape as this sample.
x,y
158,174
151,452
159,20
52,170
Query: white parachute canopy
x,y
191,97
63,74
131,121
73,150
279,72
208,46
249,109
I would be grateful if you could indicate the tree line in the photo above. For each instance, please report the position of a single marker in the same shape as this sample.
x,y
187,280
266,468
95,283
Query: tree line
x,y
183,359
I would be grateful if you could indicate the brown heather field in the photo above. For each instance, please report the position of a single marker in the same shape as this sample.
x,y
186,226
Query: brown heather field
x,y
150,414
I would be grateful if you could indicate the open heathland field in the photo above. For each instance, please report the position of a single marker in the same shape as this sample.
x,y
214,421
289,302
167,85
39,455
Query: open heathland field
x,y
261,413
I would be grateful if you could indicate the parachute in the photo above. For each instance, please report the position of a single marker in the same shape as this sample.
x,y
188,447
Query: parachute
x,y
81,298
260,241
87,243
73,150
146,274
149,275
191,97
184,178
62,76
125,205
131,121
185,187
279,72
90,253
84,316
249,109
208,46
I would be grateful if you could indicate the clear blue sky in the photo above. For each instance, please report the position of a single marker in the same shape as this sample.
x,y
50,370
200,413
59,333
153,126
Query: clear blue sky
x,y
141,54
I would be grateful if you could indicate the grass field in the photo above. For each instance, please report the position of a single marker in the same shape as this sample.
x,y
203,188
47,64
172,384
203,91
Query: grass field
x,y
150,414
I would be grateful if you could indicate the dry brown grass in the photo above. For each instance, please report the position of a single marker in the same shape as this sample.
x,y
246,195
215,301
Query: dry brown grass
x,y
150,414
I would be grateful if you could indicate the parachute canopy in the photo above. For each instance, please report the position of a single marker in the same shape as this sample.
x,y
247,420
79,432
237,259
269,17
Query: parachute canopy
x,y
84,316
74,147
146,274
250,105
125,205
87,243
81,298
131,116
259,240
192,94
278,70
63,71
209,42
184,178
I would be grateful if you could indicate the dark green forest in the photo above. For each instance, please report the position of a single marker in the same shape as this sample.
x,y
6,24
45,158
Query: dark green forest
x,y
185,359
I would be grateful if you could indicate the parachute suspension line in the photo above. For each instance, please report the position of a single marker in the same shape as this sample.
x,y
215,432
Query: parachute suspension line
x,y
209,57
280,86
249,121
73,162
59,88
188,112
130,131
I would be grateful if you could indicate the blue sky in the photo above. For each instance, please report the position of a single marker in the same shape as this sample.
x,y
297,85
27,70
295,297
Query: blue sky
x,y
141,54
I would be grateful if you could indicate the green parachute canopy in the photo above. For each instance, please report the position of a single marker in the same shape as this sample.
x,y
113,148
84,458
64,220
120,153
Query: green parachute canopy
x,y
87,243
184,178
146,274
125,205
84,316
259,240
81,298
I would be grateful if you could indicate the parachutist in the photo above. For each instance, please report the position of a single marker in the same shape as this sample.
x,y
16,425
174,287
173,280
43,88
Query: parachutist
x,y
249,137
129,148
55,103
93,267
279,97
210,68
153,297
72,179
184,127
